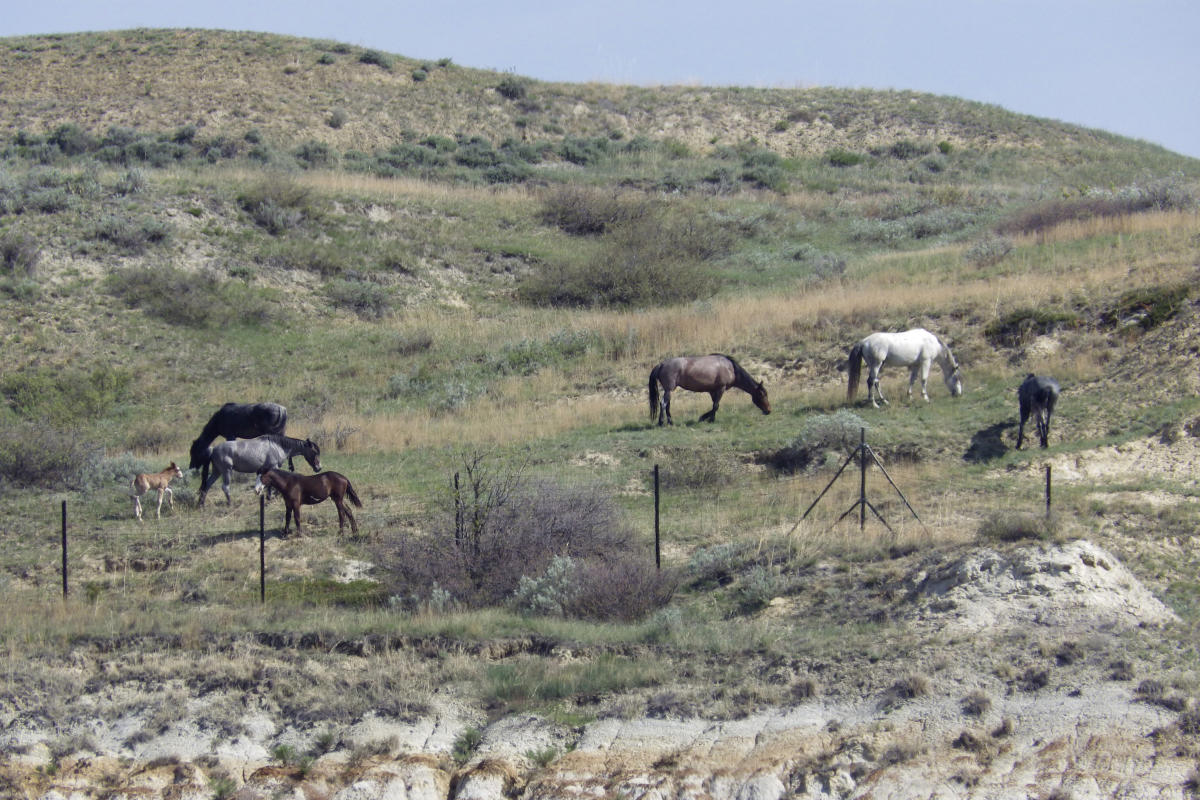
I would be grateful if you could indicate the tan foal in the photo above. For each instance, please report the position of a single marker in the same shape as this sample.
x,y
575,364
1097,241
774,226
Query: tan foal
x,y
160,481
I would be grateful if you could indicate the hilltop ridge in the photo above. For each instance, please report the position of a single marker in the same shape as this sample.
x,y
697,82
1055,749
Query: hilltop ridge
x,y
295,89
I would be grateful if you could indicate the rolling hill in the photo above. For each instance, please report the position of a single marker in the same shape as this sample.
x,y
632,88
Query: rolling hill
x,y
457,282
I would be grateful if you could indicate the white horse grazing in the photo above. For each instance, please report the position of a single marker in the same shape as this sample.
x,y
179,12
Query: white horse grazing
x,y
159,481
915,349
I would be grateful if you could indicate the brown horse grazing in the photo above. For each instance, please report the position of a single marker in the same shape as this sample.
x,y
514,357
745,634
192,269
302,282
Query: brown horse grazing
x,y
308,490
713,374
143,482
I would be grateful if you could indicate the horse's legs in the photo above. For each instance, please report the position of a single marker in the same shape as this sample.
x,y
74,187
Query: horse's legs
x,y
225,486
921,367
170,498
873,390
711,414
1044,426
664,407
158,511
342,509
137,507
1021,427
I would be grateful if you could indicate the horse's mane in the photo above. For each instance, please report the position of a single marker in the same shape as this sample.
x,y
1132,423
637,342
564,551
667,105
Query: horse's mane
x,y
738,370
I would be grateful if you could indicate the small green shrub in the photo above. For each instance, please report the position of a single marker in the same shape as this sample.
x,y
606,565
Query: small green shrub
x,y
465,745
366,299
1150,306
337,118
194,299
376,58
64,395
1018,328
512,88
844,158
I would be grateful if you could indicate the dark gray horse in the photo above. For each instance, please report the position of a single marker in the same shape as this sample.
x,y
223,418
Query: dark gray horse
x,y
713,374
255,455
1037,394
235,421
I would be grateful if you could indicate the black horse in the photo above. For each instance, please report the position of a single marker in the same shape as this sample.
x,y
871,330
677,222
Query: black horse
x,y
1037,395
236,421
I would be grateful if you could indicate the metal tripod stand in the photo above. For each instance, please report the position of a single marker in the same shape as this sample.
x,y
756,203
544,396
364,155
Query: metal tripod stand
x,y
862,504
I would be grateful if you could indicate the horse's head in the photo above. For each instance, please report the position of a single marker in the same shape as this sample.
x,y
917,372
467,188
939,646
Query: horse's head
x,y
200,453
759,396
175,470
266,477
312,454
954,382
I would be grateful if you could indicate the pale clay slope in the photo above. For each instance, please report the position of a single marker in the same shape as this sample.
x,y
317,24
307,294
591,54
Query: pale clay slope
x,y
1091,740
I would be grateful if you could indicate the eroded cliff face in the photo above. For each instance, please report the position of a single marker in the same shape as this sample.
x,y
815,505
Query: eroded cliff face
x,y
1093,741
1088,728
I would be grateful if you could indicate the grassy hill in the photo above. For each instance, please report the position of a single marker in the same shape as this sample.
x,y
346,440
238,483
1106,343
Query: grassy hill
x,y
451,274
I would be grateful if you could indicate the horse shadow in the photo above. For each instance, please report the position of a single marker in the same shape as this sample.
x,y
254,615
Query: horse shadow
x,y
987,444
238,536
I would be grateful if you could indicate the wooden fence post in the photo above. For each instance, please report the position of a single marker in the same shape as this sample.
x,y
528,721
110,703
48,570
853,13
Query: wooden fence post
x,y
657,541
262,549
64,548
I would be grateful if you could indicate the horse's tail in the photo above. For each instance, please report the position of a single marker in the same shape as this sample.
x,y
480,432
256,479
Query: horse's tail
x,y
654,390
853,371
353,495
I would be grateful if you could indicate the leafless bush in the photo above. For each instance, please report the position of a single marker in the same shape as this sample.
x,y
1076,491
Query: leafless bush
x,y
498,528
976,704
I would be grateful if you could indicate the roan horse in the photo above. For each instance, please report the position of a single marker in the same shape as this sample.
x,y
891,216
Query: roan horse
x,y
713,374
308,490
915,349
160,481
1037,395
255,455
236,421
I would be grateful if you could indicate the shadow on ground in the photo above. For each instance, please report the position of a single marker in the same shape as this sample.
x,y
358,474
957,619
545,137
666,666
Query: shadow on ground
x,y
988,444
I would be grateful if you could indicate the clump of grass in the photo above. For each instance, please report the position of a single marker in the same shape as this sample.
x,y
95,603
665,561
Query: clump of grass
x,y
1015,526
465,745
976,703
1019,327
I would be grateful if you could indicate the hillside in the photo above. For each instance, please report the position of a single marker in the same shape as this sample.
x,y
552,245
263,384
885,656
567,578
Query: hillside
x,y
457,282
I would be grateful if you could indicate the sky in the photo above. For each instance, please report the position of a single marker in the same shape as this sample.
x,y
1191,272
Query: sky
x,y
1130,67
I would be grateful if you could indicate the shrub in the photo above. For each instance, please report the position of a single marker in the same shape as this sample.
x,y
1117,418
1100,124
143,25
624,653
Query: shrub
x,y
64,395
836,434
337,118
697,468
376,58
844,158
277,204
39,454
19,254
585,211
132,235
193,299
512,88
1149,307
368,300
988,251
542,546
313,154
1019,327
654,258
